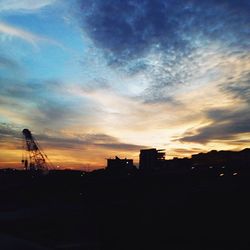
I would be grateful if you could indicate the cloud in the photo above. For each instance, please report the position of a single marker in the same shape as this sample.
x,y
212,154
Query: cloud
x,y
171,43
39,102
129,29
24,5
27,89
83,142
184,152
20,33
27,36
7,130
239,88
121,146
126,28
56,139
225,125
229,123
10,133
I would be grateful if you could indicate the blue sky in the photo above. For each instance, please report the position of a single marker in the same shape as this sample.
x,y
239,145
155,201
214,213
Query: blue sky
x,y
93,79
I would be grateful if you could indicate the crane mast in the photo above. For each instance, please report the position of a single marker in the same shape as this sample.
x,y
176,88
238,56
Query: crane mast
x,y
34,158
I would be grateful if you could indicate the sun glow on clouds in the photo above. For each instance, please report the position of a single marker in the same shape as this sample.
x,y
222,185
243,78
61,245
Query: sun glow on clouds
x,y
136,78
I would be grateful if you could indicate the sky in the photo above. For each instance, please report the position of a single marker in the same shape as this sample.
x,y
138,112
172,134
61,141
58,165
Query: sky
x,y
93,79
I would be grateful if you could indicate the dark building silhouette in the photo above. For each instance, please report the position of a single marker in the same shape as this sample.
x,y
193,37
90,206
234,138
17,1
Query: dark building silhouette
x,y
154,160
118,165
177,165
222,158
151,159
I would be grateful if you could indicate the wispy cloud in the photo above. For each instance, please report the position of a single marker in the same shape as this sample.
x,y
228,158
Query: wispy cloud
x,y
25,35
59,140
225,125
24,5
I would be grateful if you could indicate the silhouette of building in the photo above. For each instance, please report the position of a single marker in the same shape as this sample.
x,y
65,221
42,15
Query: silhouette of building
x,y
118,165
151,159
222,158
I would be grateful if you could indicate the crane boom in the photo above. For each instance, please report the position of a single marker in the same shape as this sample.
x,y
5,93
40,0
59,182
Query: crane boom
x,y
35,158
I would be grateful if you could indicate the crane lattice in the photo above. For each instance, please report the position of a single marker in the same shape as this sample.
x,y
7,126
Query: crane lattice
x,y
34,158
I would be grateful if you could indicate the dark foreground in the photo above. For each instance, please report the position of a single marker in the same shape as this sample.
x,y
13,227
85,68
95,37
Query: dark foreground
x,y
73,210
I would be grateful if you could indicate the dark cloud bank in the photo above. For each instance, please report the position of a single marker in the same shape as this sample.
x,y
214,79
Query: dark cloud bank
x,y
226,125
128,29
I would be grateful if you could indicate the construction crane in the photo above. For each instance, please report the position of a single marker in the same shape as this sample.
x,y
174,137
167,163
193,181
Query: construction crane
x,y
33,157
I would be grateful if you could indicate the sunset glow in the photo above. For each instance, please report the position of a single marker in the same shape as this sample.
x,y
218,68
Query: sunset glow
x,y
93,79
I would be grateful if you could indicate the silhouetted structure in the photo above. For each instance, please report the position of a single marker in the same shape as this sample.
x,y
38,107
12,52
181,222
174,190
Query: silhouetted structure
x,y
154,160
151,159
34,158
222,158
118,165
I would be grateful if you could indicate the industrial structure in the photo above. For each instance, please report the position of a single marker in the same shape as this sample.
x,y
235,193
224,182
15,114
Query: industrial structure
x,y
33,157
